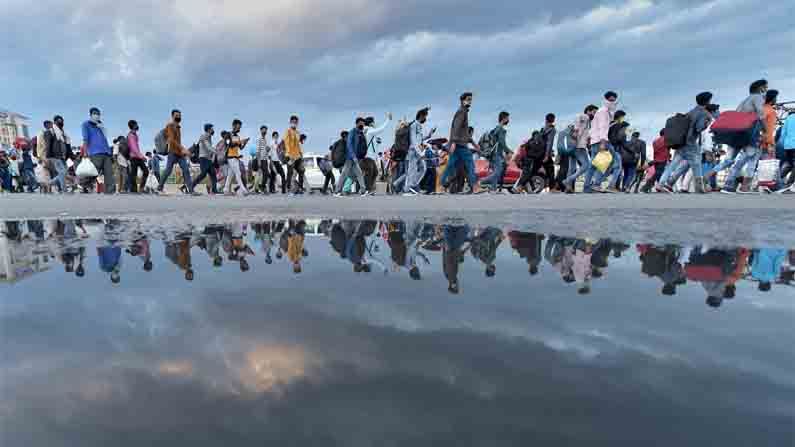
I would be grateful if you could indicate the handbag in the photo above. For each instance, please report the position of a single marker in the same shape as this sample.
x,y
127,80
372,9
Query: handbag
x,y
602,161
86,168
768,172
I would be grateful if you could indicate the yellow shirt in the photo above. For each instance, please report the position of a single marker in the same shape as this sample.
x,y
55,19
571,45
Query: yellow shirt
x,y
292,146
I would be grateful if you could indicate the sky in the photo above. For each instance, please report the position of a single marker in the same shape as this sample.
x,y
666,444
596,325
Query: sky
x,y
329,61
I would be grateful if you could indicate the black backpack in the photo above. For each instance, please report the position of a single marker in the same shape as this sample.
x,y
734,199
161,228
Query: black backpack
x,y
615,136
677,128
339,154
361,145
536,147
124,148
194,153
402,142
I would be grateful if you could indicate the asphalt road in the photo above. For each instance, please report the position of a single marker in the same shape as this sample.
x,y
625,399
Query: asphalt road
x,y
685,219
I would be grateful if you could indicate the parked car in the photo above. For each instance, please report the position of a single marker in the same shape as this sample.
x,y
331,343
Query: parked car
x,y
313,176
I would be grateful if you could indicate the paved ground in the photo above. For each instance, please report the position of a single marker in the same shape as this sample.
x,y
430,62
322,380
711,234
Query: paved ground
x,y
687,219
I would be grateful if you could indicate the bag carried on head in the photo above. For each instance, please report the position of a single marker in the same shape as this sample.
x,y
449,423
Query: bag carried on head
x,y
736,129
402,141
161,146
488,144
339,154
677,129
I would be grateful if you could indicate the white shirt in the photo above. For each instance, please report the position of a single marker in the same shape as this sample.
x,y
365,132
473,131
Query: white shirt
x,y
371,132
417,136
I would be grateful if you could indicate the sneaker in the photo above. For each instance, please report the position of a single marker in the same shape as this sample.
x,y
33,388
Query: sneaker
x,y
728,191
339,194
409,194
765,190
597,189
665,189
612,190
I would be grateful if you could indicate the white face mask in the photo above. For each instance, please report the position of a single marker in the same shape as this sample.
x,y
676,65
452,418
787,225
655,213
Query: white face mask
x,y
95,117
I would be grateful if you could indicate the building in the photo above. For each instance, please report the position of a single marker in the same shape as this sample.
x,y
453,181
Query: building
x,y
13,125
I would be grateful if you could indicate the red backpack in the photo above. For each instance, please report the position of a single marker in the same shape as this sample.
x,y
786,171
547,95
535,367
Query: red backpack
x,y
737,129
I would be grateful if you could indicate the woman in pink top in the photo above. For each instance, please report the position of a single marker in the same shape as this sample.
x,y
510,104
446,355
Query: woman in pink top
x,y
137,158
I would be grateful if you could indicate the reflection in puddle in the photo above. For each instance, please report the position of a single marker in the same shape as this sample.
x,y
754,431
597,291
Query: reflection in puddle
x,y
341,332
400,248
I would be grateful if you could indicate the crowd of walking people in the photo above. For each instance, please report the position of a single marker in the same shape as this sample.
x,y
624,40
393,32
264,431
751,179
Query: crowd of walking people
x,y
598,152
389,247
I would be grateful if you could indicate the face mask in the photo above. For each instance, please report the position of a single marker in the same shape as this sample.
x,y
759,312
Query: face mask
x,y
59,124
95,117
293,125
178,119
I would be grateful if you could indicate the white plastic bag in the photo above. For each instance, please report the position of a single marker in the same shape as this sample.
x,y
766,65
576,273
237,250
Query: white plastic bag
x,y
151,183
42,174
768,171
86,169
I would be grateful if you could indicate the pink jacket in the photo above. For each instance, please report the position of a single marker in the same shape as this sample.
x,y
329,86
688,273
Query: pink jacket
x,y
135,148
600,125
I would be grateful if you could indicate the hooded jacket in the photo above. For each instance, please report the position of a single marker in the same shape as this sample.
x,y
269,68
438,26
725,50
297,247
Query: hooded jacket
x,y
600,126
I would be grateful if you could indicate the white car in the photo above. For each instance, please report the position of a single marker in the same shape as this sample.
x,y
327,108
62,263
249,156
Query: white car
x,y
313,176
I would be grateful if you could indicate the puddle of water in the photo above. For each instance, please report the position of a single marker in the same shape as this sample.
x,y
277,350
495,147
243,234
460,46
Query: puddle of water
x,y
308,332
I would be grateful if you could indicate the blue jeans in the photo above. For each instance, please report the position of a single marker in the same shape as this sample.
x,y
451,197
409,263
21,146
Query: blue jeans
x,y
726,163
497,166
183,165
29,179
581,157
5,179
630,171
749,155
688,157
60,174
399,182
461,154
614,170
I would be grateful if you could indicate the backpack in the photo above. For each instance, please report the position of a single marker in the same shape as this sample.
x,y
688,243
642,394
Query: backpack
x,y
339,154
161,147
536,148
281,151
361,145
614,135
194,153
402,141
677,129
124,147
488,144
566,143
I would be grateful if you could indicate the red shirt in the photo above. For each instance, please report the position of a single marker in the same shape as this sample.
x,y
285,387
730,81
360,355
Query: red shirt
x,y
661,152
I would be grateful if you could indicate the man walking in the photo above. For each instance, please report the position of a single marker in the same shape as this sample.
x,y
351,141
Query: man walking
x,y
582,136
460,138
497,160
660,161
689,156
95,145
548,135
234,152
176,153
137,159
600,127
265,154
58,150
276,164
207,159
355,142
294,156
415,159
749,155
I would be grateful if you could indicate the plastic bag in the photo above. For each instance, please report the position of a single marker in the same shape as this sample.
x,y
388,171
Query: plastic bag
x,y
86,169
42,174
768,172
602,161
151,183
